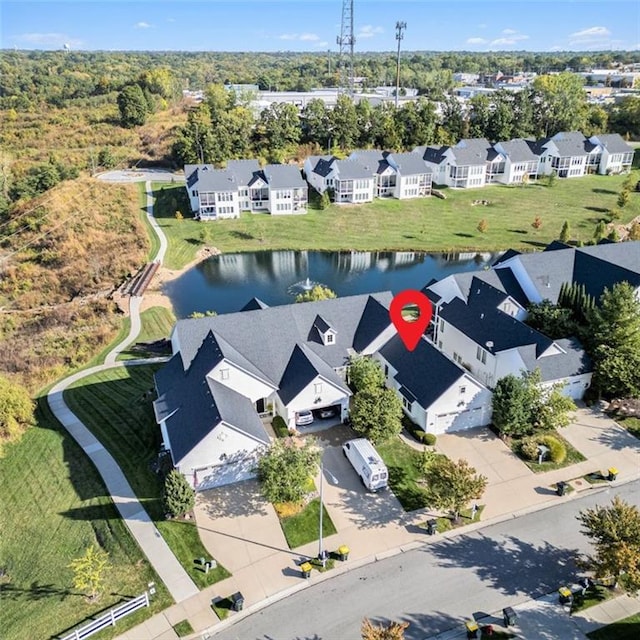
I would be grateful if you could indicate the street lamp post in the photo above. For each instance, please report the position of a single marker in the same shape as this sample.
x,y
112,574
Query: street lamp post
x,y
321,555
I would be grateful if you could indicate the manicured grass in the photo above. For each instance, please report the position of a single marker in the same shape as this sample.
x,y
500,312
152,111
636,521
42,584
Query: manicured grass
x,y
425,224
404,466
303,527
151,234
592,597
115,405
157,323
573,456
446,524
183,628
626,629
632,425
54,506
222,607
595,478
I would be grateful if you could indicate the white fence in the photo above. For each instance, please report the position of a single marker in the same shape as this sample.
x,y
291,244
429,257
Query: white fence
x,y
110,618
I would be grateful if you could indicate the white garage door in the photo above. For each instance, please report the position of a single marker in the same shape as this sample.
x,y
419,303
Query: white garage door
x,y
459,420
222,474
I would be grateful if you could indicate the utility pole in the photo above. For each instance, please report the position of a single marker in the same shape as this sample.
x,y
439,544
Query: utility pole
x,y
400,27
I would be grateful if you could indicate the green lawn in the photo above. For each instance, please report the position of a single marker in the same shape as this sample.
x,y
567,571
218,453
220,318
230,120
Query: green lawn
x,y
54,506
304,526
428,224
592,597
113,405
183,628
151,234
157,323
403,464
627,629
573,456
632,425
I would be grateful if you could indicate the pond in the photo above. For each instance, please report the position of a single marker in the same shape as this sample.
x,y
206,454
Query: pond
x,y
225,283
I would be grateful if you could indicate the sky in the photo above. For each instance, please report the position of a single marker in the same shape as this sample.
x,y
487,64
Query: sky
x,y
312,25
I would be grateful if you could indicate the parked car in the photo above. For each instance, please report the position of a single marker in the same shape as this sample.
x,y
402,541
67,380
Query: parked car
x,y
303,418
327,412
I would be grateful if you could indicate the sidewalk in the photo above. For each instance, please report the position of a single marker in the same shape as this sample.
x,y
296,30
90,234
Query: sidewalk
x,y
546,619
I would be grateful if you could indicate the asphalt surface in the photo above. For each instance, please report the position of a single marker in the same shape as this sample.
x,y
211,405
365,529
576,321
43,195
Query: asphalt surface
x,y
435,587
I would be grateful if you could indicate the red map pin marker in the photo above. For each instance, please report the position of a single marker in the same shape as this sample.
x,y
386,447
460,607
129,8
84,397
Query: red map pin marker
x,y
409,331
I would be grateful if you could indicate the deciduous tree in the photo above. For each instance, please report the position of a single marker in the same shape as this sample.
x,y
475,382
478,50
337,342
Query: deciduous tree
x,y
16,410
376,414
89,570
318,292
285,468
615,534
365,373
383,631
132,105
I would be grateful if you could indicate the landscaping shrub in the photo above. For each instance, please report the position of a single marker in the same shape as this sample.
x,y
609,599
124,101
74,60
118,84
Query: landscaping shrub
x,y
557,450
280,427
529,448
429,438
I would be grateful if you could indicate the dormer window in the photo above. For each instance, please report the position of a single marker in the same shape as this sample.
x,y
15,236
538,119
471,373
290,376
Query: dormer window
x,y
330,337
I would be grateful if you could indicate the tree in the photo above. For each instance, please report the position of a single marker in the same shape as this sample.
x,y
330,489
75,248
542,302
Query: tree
x,y
16,409
600,232
483,226
315,123
365,373
278,127
317,293
615,534
383,631
132,105
634,232
554,409
562,103
511,415
376,414
343,121
613,236
89,570
624,117
178,497
615,341
565,232
106,159
451,485
551,319
285,468
623,198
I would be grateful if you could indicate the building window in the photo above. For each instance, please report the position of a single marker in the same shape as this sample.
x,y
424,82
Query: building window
x,y
317,387
407,404
457,358
224,374
386,370
441,325
330,337
462,390
481,355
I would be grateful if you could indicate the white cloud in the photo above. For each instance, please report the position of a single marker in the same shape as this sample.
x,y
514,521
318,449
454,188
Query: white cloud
x,y
368,31
592,32
476,41
48,39
288,36
509,40
142,25
509,32
309,37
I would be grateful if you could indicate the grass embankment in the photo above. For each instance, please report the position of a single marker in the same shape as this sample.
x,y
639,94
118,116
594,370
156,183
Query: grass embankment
x,y
626,629
157,323
404,466
116,406
632,425
73,246
54,506
428,224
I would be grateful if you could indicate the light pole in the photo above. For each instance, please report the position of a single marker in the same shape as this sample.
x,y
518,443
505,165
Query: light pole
x,y
400,27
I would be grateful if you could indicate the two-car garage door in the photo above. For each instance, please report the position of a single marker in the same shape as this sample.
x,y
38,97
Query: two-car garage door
x,y
459,420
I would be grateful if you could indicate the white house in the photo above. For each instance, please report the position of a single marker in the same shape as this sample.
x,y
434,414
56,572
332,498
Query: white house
x,y
413,177
614,155
287,189
519,162
566,153
437,394
462,166
352,182
320,171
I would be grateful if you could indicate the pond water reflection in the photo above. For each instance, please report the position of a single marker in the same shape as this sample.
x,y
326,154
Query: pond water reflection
x,y
225,283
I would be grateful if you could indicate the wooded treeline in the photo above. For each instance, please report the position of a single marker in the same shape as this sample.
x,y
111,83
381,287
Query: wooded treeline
x,y
29,79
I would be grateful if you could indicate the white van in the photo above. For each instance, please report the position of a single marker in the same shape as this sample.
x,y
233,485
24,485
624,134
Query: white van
x,y
367,463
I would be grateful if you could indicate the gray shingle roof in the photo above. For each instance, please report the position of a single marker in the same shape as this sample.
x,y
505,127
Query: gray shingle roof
x,y
425,372
353,170
283,176
253,304
434,155
324,166
267,337
410,164
518,150
217,180
473,151
614,143
574,361
243,170
571,144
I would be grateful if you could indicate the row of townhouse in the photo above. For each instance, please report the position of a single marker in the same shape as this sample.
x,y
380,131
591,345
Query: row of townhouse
x,y
476,162
243,186
231,373
369,174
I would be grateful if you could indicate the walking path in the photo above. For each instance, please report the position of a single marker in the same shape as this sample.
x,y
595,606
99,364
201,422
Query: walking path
x,y
180,585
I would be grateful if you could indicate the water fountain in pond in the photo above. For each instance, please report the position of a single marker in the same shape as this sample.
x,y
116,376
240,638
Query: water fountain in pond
x,y
303,286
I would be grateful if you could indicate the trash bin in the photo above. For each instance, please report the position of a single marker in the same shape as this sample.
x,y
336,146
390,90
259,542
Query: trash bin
x,y
237,600
343,552
472,628
306,567
509,616
561,488
613,473
566,597
487,630
432,527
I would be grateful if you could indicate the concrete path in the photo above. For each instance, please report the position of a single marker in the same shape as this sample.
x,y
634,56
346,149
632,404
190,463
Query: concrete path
x,y
164,245
177,580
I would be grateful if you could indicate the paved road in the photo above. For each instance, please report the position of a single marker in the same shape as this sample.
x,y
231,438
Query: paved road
x,y
436,586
